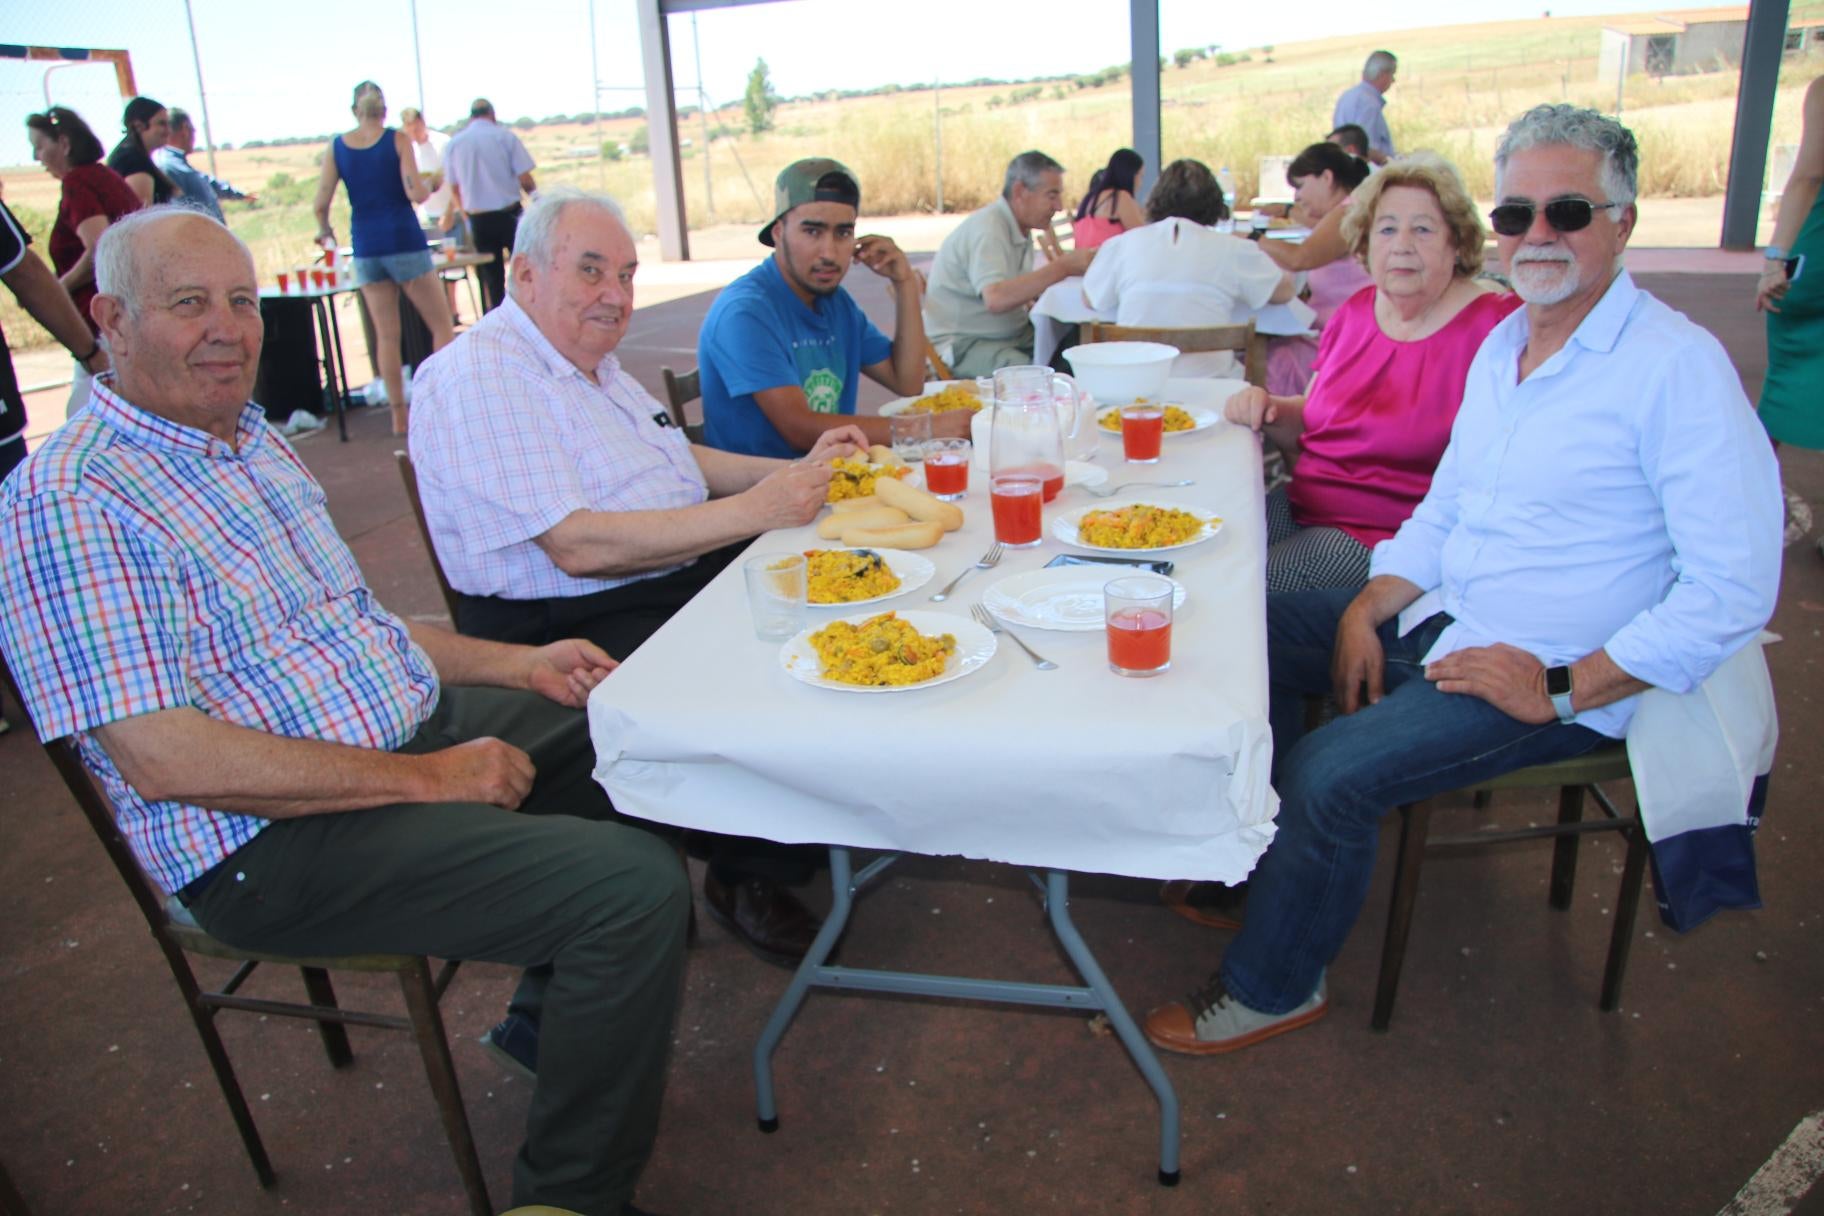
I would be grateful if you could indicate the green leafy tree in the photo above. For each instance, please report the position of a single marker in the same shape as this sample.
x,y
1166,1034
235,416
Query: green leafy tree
x,y
639,143
759,102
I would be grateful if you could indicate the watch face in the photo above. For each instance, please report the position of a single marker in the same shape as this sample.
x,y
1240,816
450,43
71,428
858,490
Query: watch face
x,y
1557,681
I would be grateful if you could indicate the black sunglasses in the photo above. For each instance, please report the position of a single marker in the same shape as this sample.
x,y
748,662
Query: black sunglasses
x,y
1563,214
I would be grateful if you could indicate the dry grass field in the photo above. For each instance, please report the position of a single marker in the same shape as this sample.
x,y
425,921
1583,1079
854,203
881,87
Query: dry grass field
x,y
1458,86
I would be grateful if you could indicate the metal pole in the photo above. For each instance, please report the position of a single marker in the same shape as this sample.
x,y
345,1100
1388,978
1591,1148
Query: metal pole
x,y
1143,43
417,56
202,95
1621,77
937,125
595,102
662,132
696,47
1762,48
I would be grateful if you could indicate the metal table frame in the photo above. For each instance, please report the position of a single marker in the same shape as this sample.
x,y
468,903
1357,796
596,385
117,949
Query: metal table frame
x,y
1097,994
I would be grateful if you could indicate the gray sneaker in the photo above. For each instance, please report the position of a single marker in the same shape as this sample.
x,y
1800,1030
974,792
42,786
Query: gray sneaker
x,y
1210,1021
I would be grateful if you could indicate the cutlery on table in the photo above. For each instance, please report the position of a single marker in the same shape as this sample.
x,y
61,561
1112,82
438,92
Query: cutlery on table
x,y
989,560
1107,491
993,625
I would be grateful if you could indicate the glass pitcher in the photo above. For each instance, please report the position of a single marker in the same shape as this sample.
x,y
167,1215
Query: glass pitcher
x,y
1036,412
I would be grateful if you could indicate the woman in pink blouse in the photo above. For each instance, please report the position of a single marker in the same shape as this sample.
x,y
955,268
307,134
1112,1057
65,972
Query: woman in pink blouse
x,y
1364,441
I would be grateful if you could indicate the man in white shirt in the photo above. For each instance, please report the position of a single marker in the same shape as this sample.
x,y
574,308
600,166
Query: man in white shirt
x,y
1364,103
487,167
1606,520
428,144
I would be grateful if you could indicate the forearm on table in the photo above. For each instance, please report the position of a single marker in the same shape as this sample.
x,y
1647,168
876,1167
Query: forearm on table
x,y
463,660
790,412
183,755
613,544
1023,289
1324,246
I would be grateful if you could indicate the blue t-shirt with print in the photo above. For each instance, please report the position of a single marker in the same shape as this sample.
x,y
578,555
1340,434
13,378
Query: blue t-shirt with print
x,y
759,335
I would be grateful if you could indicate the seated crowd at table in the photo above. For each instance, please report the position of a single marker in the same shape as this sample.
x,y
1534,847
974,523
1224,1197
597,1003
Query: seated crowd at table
x,y
1510,512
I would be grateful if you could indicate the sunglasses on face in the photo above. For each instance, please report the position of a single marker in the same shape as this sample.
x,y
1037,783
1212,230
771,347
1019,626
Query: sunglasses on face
x,y
1563,214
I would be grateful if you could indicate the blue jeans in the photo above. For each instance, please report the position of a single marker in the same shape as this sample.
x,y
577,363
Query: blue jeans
x,y
1336,784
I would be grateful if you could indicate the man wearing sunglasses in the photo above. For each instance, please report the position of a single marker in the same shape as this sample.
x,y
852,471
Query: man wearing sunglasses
x,y
1605,520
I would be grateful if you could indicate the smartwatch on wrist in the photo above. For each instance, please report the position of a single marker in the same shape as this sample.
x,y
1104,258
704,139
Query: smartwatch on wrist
x,y
1558,688
1773,253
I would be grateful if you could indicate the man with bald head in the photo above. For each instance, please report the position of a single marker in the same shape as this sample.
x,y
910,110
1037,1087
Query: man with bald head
x,y
302,771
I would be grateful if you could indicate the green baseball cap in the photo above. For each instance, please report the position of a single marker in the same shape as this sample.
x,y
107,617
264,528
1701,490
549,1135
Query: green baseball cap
x,y
816,180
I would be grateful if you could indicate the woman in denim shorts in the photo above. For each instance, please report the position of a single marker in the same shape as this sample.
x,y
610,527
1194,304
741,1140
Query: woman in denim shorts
x,y
376,162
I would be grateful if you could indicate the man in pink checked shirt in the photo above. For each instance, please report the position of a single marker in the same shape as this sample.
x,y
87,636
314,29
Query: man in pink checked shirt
x,y
301,770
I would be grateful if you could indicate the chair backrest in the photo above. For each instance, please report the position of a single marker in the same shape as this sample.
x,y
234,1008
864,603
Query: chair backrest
x,y
935,364
680,391
1195,339
409,475
68,763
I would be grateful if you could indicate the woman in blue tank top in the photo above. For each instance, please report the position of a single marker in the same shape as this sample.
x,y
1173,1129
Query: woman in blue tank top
x,y
377,164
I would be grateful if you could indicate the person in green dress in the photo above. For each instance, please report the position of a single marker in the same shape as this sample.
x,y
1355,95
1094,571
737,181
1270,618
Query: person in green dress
x,y
1791,293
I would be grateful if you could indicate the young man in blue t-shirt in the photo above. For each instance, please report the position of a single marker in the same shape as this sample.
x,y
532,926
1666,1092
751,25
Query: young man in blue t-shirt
x,y
783,347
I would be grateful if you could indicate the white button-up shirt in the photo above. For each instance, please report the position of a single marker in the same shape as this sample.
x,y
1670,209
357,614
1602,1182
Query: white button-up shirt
x,y
508,438
1623,497
484,160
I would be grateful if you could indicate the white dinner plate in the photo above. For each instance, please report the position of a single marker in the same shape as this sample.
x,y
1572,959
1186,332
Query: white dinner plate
x,y
1202,419
913,571
898,404
1059,597
974,647
1064,526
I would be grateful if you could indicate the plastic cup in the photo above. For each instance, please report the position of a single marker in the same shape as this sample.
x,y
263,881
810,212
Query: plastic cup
x,y
316,277
329,255
911,434
284,283
303,273
1142,431
1016,500
1138,614
778,591
947,468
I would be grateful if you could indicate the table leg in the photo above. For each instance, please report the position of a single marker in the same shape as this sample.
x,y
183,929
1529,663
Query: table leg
x,y
319,307
843,899
341,367
1057,910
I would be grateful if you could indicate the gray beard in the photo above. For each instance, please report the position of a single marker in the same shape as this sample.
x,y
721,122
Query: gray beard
x,y
1539,293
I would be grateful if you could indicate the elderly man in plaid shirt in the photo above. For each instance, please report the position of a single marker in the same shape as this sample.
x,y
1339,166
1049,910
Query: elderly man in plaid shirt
x,y
302,770
563,503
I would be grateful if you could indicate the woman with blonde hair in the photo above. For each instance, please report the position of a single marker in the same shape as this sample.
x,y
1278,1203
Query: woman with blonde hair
x,y
1364,440
391,254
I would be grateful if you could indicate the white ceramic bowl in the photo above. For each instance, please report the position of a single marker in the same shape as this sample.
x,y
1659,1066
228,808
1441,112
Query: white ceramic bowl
x,y
1115,373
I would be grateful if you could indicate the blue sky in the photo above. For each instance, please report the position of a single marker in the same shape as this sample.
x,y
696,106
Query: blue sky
x,y
276,69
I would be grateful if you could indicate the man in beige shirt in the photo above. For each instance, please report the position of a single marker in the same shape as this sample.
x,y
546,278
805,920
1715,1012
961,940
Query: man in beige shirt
x,y
983,283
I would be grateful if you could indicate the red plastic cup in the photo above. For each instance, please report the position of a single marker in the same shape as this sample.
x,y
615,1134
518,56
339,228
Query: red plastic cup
x,y
1142,431
284,283
317,277
1016,499
329,255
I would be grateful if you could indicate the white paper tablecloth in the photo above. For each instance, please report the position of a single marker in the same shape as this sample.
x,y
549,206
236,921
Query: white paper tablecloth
x,y
1077,769
1062,304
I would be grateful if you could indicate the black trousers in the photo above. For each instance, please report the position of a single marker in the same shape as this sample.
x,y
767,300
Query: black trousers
x,y
494,232
619,620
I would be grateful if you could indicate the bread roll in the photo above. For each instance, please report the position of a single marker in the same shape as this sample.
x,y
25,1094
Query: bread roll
x,y
834,525
920,535
918,504
867,502
880,453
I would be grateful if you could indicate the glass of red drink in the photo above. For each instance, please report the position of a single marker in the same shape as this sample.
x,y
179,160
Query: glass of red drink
x,y
1142,431
1138,613
1016,498
947,468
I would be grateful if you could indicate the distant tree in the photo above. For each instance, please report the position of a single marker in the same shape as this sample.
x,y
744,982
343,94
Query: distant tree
x,y
610,150
523,123
639,143
1183,57
759,101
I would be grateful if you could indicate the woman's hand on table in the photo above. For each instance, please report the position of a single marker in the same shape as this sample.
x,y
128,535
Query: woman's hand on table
x,y
1252,408
837,442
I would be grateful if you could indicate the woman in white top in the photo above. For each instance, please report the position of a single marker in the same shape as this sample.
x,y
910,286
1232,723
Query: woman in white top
x,y
1179,271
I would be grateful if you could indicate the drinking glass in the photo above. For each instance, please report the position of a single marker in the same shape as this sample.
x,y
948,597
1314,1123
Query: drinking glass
x,y
947,468
910,434
777,593
1142,432
1138,613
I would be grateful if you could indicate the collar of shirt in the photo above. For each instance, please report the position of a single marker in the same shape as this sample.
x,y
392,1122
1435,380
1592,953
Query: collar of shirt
x,y
149,430
1598,331
554,359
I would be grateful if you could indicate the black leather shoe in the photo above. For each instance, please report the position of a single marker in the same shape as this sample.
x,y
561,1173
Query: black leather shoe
x,y
763,916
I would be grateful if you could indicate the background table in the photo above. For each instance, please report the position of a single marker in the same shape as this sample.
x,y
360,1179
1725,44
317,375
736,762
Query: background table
x,y
1074,769
329,333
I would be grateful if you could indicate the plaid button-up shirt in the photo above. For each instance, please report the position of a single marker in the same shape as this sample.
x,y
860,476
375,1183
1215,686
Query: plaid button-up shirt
x,y
508,438
151,566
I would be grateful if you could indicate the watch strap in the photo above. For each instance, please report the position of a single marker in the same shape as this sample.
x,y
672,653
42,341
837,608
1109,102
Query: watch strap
x,y
1561,701
1773,253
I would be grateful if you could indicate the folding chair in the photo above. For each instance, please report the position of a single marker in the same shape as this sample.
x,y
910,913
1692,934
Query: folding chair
x,y
935,365
1573,777
409,475
680,391
1196,339
178,935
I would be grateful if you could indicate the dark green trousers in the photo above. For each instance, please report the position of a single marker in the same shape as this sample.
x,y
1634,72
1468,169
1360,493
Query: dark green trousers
x,y
594,909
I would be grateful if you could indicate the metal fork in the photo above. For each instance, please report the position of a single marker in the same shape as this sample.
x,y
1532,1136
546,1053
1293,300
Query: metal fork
x,y
994,625
989,560
1105,492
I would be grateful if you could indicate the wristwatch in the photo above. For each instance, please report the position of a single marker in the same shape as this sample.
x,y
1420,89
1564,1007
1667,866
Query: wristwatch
x,y
1773,253
1558,688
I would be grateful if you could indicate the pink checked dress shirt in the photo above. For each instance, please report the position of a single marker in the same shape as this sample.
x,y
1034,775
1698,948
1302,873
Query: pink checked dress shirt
x,y
508,438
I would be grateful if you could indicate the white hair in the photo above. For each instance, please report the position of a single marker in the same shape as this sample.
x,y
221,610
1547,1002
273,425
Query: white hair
x,y
1380,61
117,270
1560,124
1029,169
536,237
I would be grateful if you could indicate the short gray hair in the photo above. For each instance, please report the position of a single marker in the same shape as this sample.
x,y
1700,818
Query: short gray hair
x,y
536,238
1029,169
1561,124
178,117
1380,61
117,270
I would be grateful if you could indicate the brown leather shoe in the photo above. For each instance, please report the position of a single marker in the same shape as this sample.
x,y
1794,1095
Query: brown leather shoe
x,y
763,916
1203,903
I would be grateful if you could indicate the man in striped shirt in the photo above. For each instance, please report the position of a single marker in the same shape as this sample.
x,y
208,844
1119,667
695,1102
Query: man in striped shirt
x,y
303,771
